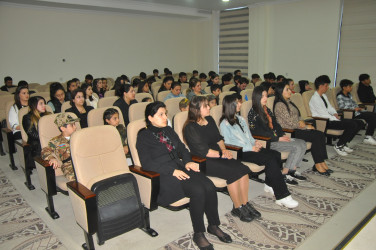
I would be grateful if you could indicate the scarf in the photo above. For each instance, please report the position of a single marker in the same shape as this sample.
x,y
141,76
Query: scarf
x,y
270,121
161,136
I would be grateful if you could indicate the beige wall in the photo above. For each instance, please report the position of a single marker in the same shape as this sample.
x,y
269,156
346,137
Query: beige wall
x,y
296,39
34,41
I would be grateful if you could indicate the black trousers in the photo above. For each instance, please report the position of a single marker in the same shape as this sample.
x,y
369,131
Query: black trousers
x,y
273,175
350,127
317,138
370,118
203,199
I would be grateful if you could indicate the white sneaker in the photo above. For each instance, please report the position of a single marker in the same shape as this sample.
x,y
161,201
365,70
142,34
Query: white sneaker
x,y
268,189
369,140
288,202
340,150
348,149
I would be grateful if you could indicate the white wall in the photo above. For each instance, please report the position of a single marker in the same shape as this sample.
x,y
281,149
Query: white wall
x,y
34,41
297,39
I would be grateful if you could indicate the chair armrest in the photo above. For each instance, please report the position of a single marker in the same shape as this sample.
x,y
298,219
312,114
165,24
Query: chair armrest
x,y
201,162
46,175
6,130
84,206
321,123
237,152
348,113
289,131
233,147
263,138
148,184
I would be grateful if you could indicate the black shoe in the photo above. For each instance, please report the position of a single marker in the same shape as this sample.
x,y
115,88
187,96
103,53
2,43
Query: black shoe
x,y
296,175
253,210
326,173
243,214
222,236
329,171
289,180
200,239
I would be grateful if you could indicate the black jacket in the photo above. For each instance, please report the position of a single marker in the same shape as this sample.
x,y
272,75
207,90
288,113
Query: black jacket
x,y
260,128
365,94
32,135
83,117
124,107
154,156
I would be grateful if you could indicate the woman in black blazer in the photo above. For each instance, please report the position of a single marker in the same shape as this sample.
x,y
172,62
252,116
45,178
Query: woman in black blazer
x,y
79,106
161,150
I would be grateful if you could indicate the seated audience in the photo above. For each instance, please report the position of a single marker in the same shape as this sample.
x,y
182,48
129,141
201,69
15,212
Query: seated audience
x,y
25,83
262,122
143,87
37,106
136,82
8,84
321,107
240,85
280,78
179,176
236,132
88,79
89,95
237,72
304,86
57,97
166,84
182,77
365,90
57,152
212,101
21,99
226,80
184,105
288,116
118,82
291,84
216,90
104,84
143,76
202,77
79,106
195,73
345,101
77,81
194,89
146,99
156,74
111,117
255,78
214,79
71,86
204,140
267,86
175,91
126,96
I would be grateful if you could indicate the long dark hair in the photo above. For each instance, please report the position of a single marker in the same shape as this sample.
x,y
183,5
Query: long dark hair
x,y
95,87
17,100
34,113
229,109
141,86
194,112
256,103
279,95
84,87
123,88
151,109
74,93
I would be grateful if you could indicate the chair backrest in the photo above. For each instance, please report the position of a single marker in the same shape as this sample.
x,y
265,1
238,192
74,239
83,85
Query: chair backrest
x,y
248,93
157,83
227,87
245,108
154,90
162,95
107,101
250,86
3,104
132,132
354,92
332,96
109,93
307,95
172,106
179,120
216,113
42,88
207,89
97,154
66,105
297,99
258,83
270,102
45,95
137,111
33,84
23,111
203,85
95,116
140,96
5,93
186,86
223,94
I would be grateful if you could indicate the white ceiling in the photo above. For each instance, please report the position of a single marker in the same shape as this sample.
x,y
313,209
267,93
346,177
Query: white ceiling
x,y
180,8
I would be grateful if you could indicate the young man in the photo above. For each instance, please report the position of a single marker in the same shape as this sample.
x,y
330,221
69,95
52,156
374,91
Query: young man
x,y
203,77
89,79
365,91
156,74
215,89
57,153
182,77
237,72
226,80
280,78
345,101
255,78
320,107
175,91
8,83
241,85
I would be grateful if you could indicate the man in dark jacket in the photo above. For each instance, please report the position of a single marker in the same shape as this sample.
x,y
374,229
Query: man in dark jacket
x,y
365,91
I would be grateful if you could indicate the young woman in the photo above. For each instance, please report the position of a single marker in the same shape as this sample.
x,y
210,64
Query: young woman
x,y
98,87
89,95
194,89
287,114
143,87
57,96
111,117
79,106
126,96
204,140
118,82
37,106
236,132
304,86
71,86
21,99
262,122
166,84
179,176
214,79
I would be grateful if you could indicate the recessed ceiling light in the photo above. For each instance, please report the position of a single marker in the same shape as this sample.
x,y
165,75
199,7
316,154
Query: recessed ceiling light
x,y
225,0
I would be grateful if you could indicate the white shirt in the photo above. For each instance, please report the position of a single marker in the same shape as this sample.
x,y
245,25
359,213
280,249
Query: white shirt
x,y
13,118
318,108
94,102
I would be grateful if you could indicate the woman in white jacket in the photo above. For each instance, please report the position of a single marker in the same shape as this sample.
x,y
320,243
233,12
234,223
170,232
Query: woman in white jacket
x,y
21,99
